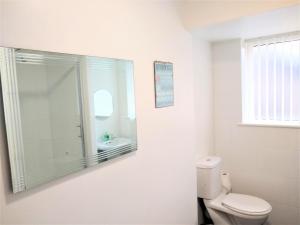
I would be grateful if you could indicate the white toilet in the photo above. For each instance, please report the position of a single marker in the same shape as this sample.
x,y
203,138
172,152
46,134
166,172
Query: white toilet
x,y
224,207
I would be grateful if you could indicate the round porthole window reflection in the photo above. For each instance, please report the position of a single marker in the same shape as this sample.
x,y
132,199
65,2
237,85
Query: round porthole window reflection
x,y
103,104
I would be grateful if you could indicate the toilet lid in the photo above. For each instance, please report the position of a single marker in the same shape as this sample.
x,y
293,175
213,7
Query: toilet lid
x,y
246,204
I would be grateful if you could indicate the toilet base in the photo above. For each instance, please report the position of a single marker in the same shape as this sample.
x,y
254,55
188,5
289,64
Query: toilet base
x,y
241,221
222,218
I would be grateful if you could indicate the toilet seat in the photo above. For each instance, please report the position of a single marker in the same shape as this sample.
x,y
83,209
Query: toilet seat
x,y
239,210
246,204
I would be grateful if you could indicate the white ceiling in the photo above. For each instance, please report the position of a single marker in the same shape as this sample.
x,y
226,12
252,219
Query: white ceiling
x,y
273,22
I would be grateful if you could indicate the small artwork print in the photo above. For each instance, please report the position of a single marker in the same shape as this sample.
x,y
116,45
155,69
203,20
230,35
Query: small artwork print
x,y
164,91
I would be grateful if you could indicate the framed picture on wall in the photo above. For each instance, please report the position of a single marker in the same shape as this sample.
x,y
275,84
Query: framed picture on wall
x,y
163,78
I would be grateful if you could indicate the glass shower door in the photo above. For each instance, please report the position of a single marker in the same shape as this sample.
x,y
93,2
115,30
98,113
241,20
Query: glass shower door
x,y
50,110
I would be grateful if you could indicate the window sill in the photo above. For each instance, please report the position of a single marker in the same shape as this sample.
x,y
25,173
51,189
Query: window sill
x,y
293,126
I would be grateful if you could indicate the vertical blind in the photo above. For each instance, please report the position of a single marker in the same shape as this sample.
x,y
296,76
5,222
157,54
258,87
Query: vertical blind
x,y
271,79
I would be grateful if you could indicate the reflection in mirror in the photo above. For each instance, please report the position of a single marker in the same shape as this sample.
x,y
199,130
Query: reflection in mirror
x,y
64,113
103,103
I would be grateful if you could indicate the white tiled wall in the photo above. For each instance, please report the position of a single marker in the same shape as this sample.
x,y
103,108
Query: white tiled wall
x,y
263,161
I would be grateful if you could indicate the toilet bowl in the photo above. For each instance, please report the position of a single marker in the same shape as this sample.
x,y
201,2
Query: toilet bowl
x,y
238,209
223,206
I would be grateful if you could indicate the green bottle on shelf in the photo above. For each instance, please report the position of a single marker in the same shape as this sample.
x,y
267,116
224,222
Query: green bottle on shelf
x,y
106,137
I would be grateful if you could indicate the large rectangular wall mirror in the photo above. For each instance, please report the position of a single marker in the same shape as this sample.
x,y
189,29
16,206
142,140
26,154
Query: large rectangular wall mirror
x,y
64,113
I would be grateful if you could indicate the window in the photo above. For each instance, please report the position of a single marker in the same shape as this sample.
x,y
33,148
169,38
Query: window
x,y
271,80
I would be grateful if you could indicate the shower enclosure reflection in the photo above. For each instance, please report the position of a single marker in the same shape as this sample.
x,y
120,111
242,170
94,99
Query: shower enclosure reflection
x,y
50,115
64,112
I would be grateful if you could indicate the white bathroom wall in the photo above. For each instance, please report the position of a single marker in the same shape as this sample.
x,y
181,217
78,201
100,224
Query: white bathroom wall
x,y
155,185
263,161
200,14
203,97
1,22
281,20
